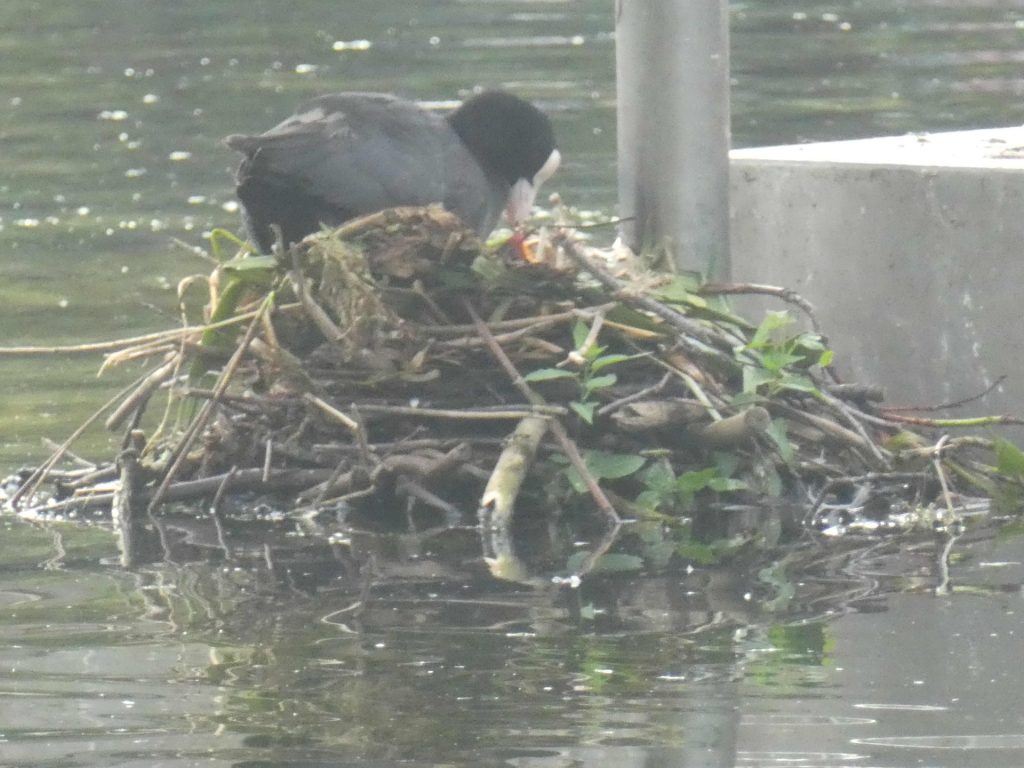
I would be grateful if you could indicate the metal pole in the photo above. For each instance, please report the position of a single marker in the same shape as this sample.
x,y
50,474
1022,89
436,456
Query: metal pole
x,y
672,60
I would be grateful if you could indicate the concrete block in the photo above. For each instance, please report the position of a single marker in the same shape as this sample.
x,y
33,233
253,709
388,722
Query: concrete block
x,y
910,248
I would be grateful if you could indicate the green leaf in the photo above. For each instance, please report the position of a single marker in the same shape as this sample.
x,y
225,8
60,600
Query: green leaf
x,y
777,359
576,480
769,481
259,270
547,374
627,316
697,302
616,562
660,555
726,484
680,290
580,331
217,341
702,554
798,383
649,500
811,342
604,466
745,398
611,466
609,563
1009,459
584,410
904,440
754,378
489,270
498,239
773,322
599,382
825,359
649,533
605,360
691,482
660,477
457,277
576,561
220,236
726,463
777,432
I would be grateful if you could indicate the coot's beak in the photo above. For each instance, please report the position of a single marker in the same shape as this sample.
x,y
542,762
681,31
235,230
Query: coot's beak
x,y
523,193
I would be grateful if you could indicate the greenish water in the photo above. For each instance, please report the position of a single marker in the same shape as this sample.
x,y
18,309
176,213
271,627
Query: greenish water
x,y
241,647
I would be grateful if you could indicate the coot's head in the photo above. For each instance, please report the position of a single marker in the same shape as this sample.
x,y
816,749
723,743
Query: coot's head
x,y
512,141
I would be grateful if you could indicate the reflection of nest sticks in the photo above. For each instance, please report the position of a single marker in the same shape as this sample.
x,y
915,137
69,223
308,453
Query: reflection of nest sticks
x,y
397,358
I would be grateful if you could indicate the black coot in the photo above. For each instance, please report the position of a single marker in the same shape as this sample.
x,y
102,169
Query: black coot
x,y
349,154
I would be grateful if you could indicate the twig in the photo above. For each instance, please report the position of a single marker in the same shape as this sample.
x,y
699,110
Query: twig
x,y
39,475
428,301
313,310
449,462
738,429
510,330
136,401
499,497
82,464
578,356
942,586
125,501
504,413
268,458
200,420
640,394
696,338
289,480
941,473
867,392
568,446
847,413
79,502
695,389
141,352
331,482
411,489
592,557
891,410
501,326
340,417
787,295
951,445
116,344
830,428
222,489
974,421
366,454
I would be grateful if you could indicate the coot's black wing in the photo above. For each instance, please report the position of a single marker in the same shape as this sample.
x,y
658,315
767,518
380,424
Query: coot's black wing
x,y
346,155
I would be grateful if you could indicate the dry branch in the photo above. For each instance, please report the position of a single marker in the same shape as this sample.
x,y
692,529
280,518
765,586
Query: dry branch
x,y
361,370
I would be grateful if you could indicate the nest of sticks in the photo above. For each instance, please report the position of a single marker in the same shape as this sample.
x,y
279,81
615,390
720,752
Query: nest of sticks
x,y
398,360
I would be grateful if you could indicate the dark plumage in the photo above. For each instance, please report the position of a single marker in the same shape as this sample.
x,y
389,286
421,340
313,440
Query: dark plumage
x,y
349,154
